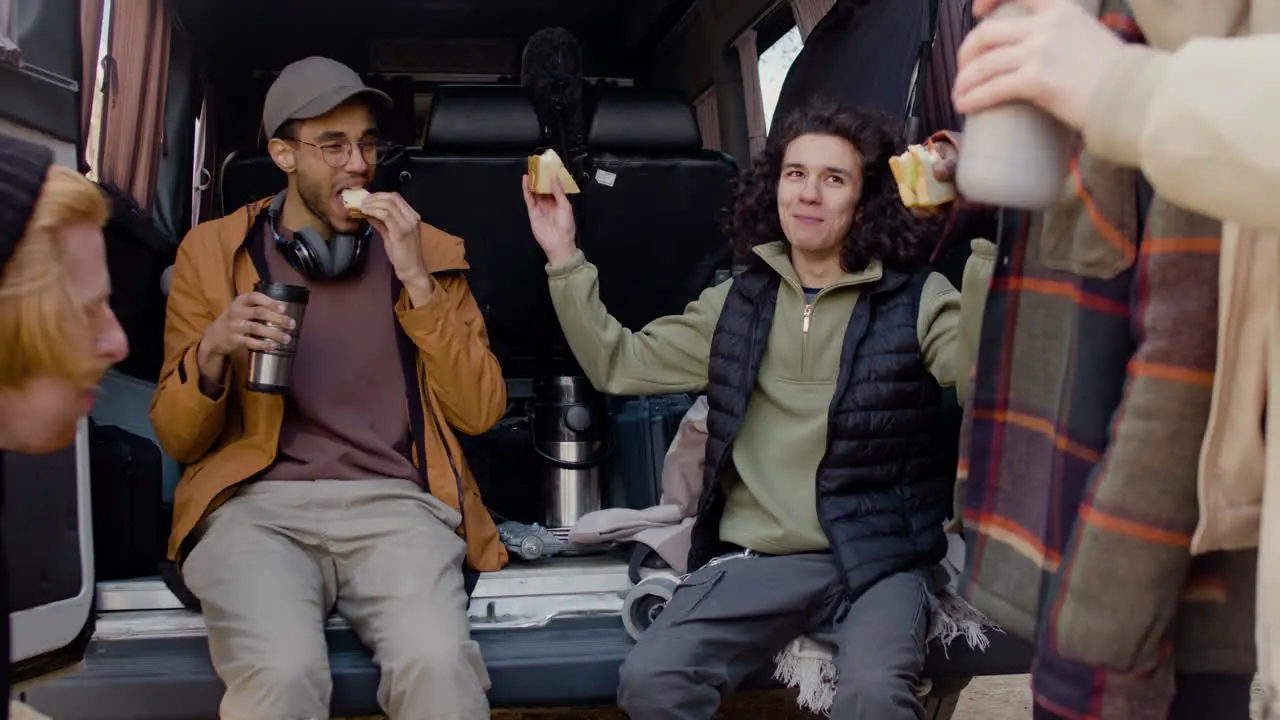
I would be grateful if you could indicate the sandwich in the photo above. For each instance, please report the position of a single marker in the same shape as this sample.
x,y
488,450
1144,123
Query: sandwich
x,y
353,199
546,166
918,186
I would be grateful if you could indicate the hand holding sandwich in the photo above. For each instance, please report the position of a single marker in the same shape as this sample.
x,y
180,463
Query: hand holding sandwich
x,y
551,220
925,175
399,225
944,171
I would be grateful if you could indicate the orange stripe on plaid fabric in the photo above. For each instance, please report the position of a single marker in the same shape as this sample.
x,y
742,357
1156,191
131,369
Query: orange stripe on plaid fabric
x,y
1041,427
1133,528
1063,290
1172,373
1015,536
1105,227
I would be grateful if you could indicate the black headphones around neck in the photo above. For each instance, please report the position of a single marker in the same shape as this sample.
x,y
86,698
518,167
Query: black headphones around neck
x,y
311,255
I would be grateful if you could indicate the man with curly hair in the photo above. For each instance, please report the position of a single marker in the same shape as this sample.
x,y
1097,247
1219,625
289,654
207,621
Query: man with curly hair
x,y
829,469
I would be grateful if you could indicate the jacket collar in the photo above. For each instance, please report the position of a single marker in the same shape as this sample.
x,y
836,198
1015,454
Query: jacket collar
x,y
776,256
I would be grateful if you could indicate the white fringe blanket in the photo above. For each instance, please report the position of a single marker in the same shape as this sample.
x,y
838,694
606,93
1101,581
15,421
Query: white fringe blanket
x,y
809,665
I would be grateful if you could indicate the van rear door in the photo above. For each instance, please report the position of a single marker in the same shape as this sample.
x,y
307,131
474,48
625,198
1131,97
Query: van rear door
x,y
48,532
48,537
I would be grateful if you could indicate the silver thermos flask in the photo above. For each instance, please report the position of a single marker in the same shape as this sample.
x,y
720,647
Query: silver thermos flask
x,y
271,370
1016,155
570,430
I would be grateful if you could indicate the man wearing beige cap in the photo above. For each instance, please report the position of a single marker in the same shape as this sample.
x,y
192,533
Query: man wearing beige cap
x,y
326,494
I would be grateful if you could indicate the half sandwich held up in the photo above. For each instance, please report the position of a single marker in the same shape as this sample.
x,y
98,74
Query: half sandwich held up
x,y
914,172
546,166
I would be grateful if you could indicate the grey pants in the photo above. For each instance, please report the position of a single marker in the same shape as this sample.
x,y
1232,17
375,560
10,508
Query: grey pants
x,y
731,618
277,558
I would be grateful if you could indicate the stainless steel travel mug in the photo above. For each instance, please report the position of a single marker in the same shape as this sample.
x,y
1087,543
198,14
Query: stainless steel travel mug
x,y
270,370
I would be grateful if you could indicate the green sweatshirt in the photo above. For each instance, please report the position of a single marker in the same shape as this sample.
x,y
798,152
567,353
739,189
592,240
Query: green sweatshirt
x,y
771,503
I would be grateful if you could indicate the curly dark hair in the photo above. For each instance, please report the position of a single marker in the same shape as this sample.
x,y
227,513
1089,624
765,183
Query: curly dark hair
x,y
883,229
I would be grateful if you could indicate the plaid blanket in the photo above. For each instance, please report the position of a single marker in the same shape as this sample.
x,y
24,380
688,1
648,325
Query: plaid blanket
x,y
1080,447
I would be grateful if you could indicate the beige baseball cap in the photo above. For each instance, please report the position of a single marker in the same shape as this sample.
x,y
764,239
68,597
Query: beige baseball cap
x,y
312,87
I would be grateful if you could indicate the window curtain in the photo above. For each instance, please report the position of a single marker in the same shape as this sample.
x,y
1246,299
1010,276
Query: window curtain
x,y
90,35
807,14
955,20
708,113
749,60
9,53
136,74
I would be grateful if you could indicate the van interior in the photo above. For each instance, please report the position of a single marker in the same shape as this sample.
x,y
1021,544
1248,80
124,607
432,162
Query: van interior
x,y
667,126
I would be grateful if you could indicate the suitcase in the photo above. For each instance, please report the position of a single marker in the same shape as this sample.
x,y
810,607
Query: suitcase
x,y
125,474
125,402
643,429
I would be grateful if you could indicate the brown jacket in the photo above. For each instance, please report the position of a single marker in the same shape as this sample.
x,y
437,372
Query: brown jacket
x,y
233,438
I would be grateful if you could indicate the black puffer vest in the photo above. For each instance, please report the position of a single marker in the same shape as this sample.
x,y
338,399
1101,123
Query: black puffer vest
x,y
885,482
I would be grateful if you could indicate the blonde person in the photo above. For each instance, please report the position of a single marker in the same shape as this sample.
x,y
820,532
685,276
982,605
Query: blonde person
x,y
57,333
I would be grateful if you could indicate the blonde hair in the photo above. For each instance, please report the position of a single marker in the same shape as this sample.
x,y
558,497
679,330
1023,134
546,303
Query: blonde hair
x,y
40,319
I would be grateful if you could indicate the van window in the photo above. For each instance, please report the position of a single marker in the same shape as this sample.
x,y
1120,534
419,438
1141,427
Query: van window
x,y
774,63
93,143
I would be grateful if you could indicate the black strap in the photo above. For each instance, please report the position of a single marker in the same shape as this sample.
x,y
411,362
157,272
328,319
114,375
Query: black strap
x,y
643,556
172,579
915,94
639,553
470,578
417,411
409,367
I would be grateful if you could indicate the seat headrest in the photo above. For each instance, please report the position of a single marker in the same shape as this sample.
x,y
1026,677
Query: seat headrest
x,y
482,117
631,120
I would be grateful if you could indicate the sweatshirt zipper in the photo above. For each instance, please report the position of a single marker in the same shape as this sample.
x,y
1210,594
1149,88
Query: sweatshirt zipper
x,y
805,323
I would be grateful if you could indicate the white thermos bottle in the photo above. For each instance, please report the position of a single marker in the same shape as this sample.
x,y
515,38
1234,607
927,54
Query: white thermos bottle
x,y
1015,155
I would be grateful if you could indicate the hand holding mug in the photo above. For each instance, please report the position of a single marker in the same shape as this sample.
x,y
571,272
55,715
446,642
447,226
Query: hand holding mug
x,y
253,321
1052,53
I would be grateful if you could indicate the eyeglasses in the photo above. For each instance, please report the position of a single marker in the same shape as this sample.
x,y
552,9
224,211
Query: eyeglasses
x,y
337,153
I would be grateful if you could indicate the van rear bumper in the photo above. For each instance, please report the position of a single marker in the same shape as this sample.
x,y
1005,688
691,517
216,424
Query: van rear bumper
x,y
570,662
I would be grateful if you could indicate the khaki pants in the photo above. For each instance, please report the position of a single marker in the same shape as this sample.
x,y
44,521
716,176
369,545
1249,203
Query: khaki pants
x,y
277,558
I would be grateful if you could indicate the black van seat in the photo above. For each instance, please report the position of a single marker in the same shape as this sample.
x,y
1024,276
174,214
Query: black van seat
x,y
246,176
472,119
466,181
650,216
398,125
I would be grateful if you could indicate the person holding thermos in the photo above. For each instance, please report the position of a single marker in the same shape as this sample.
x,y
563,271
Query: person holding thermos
x,y
1083,446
